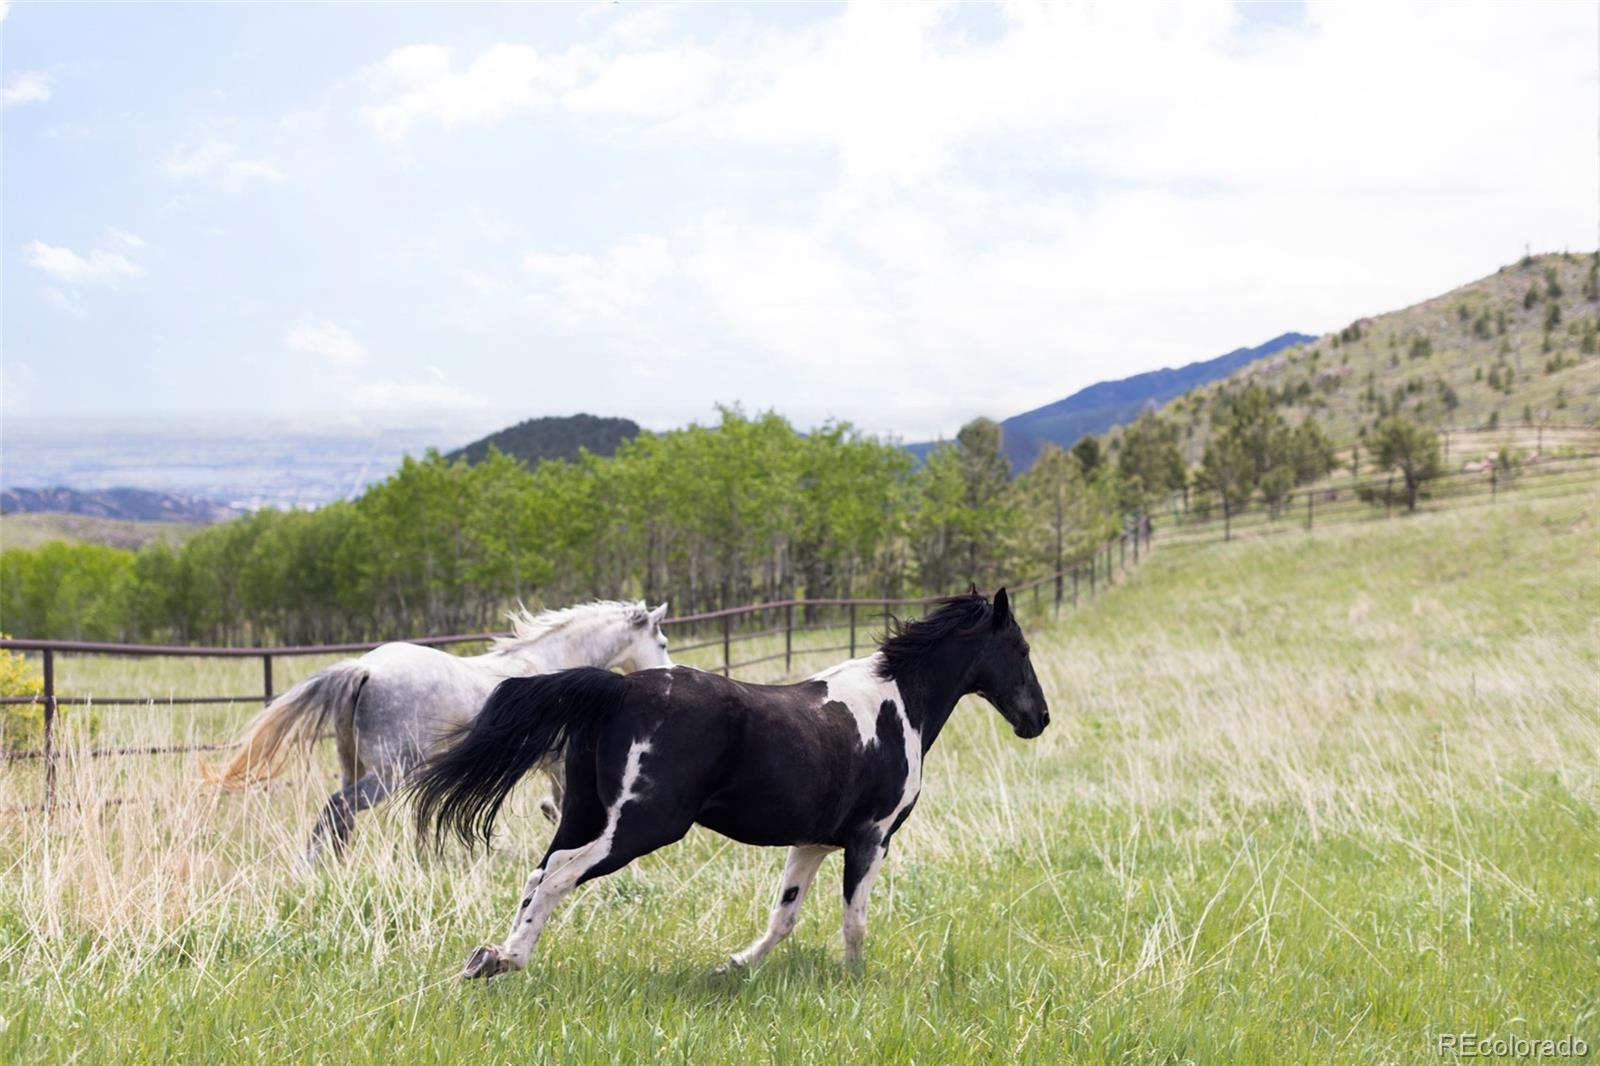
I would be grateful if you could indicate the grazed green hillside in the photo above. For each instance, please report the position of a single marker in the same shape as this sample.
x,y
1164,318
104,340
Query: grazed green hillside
x,y
1519,346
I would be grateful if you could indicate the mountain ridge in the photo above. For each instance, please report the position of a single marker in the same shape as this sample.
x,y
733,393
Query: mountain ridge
x,y
1103,406
123,503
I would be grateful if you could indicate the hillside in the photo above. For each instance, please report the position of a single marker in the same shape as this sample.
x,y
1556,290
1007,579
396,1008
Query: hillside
x,y
1108,404
125,504
33,530
1521,346
538,439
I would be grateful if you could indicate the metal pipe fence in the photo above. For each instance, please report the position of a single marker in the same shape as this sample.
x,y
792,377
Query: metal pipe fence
x,y
852,616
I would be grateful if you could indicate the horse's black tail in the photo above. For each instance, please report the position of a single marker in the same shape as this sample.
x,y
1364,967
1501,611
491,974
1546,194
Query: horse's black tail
x,y
526,719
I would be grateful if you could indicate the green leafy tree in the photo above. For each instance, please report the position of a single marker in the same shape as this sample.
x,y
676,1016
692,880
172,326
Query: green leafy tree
x,y
1088,455
1150,462
1411,450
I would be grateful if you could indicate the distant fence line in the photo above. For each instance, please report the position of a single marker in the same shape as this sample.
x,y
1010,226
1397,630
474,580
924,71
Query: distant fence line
x,y
1065,587
1376,498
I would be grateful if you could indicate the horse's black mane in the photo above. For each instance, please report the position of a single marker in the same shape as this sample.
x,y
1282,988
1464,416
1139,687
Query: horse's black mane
x,y
908,641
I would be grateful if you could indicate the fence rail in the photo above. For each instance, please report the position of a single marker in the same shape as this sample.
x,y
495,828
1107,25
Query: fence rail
x,y
1100,568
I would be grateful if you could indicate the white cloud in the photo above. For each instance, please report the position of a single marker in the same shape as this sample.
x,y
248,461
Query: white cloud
x,y
418,83
433,394
623,74
25,87
650,84
98,267
1079,193
123,239
327,340
217,161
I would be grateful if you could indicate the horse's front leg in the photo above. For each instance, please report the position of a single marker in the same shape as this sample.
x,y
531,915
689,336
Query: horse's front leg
x,y
863,858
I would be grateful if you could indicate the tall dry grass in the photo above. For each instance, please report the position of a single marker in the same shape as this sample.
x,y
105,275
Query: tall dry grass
x,y
1346,784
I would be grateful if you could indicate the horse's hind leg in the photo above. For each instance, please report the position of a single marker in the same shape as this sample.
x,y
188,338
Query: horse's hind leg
x,y
550,806
339,816
798,872
592,841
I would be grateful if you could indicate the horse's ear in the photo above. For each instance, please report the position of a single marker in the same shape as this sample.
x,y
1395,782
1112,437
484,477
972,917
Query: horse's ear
x,y
659,613
973,589
1002,609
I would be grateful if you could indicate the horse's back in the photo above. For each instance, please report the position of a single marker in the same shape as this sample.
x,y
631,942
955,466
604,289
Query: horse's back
x,y
413,695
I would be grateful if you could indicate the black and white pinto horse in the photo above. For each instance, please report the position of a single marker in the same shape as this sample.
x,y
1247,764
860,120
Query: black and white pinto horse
x,y
831,763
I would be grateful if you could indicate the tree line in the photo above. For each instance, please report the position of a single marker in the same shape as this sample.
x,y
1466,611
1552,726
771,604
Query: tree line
x,y
744,510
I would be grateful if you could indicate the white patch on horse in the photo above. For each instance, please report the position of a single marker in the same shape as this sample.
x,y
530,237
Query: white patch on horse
x,y
856,684
913,785
564,869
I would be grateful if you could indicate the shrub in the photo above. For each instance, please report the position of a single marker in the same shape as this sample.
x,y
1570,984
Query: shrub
x,y
21,724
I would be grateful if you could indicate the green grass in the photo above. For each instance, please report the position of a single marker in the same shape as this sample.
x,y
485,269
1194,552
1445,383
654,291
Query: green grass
x,y
1306,799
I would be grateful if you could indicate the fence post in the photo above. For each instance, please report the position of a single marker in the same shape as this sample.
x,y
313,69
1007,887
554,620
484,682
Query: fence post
x,y
266,675
1310,504
1136,523
1122,550
1092,559
788,638
1494,481
726,658
1227,520
1075,587
49,729
1388,497
852,629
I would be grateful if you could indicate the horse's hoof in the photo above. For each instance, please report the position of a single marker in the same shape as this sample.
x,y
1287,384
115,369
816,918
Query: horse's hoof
x,y
484,962
732,964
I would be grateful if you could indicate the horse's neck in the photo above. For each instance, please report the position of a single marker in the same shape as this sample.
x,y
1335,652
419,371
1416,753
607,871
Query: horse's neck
x,y
934,686
574,645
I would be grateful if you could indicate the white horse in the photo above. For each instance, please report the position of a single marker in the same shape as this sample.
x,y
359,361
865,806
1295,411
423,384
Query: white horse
x,y
397,704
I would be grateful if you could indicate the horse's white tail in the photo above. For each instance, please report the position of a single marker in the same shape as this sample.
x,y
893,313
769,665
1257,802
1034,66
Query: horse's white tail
x,y
292,720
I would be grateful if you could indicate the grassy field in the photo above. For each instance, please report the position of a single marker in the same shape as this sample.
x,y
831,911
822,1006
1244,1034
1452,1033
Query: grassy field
x,y
1312,798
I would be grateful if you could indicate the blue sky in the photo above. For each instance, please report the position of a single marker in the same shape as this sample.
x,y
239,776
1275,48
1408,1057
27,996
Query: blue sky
x,y
900,215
